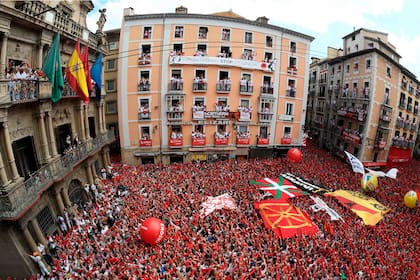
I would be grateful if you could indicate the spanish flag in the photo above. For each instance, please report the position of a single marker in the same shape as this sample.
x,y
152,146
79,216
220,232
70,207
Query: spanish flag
x,y
75,74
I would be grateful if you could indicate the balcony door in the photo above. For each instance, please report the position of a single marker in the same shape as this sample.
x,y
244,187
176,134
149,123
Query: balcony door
x,y
25,156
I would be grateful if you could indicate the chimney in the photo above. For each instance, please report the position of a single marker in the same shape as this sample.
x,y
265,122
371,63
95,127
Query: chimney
x,y
128,11
181,10
262,20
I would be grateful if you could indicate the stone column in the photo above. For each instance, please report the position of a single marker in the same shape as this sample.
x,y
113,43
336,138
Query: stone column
x,y
3,176
86,119
93,171
108,156
39,235
100,116
29,239
66,199
89,174
9,152
3,54
104,159
103,116
51,135
60,203
40,54
44,141
82,124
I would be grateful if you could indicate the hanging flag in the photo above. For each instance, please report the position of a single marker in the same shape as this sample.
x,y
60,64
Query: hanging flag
x,y
304,185
85,60
285,219
96,74
369,209
356,164
52,69
76,74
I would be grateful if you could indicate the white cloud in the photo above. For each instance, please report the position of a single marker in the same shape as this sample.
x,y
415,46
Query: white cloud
x,y
408,48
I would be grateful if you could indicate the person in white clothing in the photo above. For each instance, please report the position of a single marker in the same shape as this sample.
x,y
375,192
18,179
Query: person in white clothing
x,y
37,259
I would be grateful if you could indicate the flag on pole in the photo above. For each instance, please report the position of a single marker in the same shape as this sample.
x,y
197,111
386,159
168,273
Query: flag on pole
x,y
85,60
52,69
96,74
76,74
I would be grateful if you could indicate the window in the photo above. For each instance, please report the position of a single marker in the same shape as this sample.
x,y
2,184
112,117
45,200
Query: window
x,y
145,133
144,108
269,41
287,132
356,47
222,104
291,88
289,109
147,33
110,85
179,32
263,132
144,84
368,64
292,62
225,52
293,47
178,49
248,38
388,72
268,56
248,54
202,32
113,45
45,220
348,68
356,67
110,64
225,34
111,107
201,50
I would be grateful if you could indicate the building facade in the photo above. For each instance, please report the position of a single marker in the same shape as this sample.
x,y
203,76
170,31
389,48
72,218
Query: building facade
x,y
362,100
48,151
203,87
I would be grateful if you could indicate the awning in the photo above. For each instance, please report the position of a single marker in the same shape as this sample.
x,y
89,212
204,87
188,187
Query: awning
x,y
138,154
175,153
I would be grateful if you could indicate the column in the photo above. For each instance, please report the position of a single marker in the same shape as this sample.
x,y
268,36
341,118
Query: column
x,y
3,176
9,151
86,122
89,174
39,235
66,199
51,135
103,116
108,156
100,117
3,55
60,203
44,141
29,239
104,159
82,124
93,171
40,54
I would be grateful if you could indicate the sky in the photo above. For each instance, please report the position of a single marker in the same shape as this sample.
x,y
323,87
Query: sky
x,y
328,21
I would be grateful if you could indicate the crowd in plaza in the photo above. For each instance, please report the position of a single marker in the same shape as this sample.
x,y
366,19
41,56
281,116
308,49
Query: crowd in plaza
x,y
102,240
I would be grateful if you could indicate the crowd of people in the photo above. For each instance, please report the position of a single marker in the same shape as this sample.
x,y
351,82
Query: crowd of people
x,y
104,241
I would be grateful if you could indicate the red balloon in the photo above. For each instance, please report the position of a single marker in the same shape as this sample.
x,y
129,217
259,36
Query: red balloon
x,y
294,155
152,231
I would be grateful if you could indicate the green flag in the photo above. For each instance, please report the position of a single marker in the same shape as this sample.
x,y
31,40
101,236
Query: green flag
x,y
52,69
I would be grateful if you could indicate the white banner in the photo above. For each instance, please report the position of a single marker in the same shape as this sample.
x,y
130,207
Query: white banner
x,y
224,201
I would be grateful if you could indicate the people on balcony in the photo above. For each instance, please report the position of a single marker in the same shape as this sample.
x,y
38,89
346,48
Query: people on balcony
x,y
200,52
267,87
145,136
144,84
221,134
200,107
21,82
222,107
345,91
198,135
245,109
177,83
248,56
243,135
200,82
145,58
225,84
176,134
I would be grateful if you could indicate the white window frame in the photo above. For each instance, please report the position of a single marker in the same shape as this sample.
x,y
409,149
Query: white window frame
x,y
252,37
109,68
140,131
109,105
230,34
107,85
183,30
292,113
366,65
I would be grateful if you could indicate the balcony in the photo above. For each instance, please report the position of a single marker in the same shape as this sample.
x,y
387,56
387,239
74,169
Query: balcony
x,y
267,90
402,105
399,123
352,136
144,114
61,21
400,142
144,86
199,87
291,92
406,125
145,59
286,140
176,85
246,88
21,90
263,141
175,142
413,127
265,116
198,141
145,142
175,116
221,140
242,141
22,195
223,86
291,70
409,107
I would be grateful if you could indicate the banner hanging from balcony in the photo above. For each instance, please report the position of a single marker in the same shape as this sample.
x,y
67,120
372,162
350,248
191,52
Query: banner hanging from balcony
x,y
222,61
76,74
52,69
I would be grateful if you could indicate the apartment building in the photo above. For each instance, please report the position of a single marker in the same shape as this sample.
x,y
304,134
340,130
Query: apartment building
x,y
48,150
111,86
203,87
362,100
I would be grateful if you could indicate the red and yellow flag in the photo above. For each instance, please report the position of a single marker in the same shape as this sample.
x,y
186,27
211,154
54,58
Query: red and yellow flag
x,y
285,219
75,74
369,209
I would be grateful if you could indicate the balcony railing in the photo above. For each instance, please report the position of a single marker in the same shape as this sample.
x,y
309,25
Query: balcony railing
x,y
402,143
22,90
223,87
144,86
176,85
36,12
199,87
246,89
265,116
291,92
267,90
20,197
399,123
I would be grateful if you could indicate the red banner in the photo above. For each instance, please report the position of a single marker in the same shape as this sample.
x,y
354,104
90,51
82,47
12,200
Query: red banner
x,y
399,155
285,219
286,140
175,142
263,141
242,141
199,141
145,143
221,141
